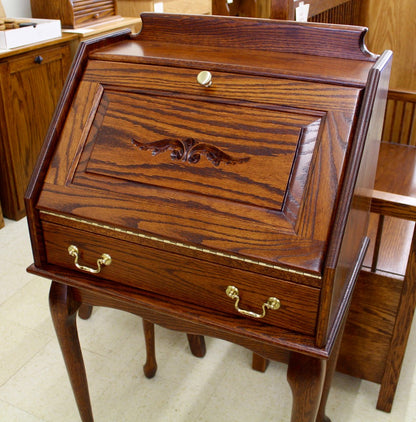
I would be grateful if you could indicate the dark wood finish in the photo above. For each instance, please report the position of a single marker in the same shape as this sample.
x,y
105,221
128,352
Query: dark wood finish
x,y
384,301
64,308
85,311
1,218
260,364
197,345
399,123
383,305
400,334
150,366
306,377
29,91
286,218
74,13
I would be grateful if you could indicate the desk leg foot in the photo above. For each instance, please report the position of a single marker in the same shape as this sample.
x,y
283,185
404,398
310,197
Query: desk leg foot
x,y
197,345
150,367
259,363
306,377
85,311
63,309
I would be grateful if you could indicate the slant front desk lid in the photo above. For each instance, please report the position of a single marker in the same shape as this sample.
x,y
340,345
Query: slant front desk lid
x,y
223,146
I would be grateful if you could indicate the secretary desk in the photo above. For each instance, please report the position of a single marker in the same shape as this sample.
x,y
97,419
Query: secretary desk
x,y
213,175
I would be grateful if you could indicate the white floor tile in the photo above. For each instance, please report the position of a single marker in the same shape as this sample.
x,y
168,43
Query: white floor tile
x,y
220,387
12,414
18,346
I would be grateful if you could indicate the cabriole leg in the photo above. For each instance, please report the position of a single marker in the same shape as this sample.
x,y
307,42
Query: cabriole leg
x,y
306,377
63,309
150,367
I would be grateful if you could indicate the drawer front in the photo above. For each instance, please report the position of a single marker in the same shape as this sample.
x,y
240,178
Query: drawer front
x,y
187,279
89,11
38,58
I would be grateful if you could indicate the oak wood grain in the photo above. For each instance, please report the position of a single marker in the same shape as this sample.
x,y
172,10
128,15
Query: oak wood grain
x,y
29,92
74,14
193,281
185,224
390,25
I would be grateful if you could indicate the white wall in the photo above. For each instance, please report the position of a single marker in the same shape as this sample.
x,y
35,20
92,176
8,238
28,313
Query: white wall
x,y
17,8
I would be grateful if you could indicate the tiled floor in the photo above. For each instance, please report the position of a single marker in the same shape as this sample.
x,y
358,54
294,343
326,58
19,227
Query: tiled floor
x,y
220,387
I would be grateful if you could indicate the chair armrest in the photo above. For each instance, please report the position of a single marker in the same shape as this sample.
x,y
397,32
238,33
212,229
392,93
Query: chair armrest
x,y
393,205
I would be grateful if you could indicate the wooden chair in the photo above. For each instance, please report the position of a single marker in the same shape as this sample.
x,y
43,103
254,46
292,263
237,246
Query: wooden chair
x,y
386,291
1,218
384,300
196,343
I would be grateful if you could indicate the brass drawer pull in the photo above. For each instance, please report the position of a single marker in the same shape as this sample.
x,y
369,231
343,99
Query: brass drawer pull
x,y
204,78
272,303
104,260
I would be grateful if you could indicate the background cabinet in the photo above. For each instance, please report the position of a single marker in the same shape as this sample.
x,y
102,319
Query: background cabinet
x,y
31,80
392,25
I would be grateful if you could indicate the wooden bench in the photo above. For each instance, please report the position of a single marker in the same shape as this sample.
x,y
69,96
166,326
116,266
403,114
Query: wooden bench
x,y
384,300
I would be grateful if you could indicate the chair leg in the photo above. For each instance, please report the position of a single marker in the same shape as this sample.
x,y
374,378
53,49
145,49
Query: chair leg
x,y
377,243
150,367
197,345
259,363
85,311
220,7
400,334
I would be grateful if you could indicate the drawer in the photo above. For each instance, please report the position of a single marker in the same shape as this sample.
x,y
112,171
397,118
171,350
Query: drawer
x,y
271,92
184,278
42,56
89,11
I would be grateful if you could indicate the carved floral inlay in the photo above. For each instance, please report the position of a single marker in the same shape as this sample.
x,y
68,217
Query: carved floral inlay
x,y
189,150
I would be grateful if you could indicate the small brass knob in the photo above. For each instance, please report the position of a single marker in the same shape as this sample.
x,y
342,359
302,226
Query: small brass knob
x,y
204,78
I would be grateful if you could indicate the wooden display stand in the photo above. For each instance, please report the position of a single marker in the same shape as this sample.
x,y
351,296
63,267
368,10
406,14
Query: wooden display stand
x,y
216,183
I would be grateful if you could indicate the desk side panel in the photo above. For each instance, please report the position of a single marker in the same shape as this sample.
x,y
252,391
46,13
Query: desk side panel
x,y
348,238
